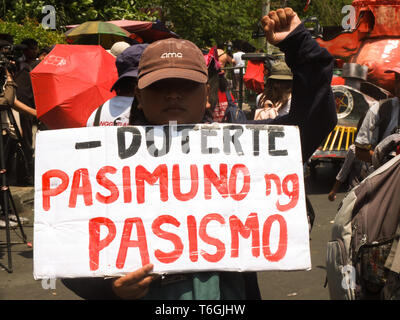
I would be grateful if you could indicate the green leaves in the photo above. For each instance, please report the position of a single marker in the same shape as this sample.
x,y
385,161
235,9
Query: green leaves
x,y
31,29
208,22
328,12
205,22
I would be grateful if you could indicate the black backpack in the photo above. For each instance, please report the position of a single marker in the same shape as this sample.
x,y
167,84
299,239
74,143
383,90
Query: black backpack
x,y
233,114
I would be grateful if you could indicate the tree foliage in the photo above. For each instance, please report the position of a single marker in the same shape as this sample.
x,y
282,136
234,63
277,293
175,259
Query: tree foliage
x,y
210,22
31,29
205,22
75,12
328,12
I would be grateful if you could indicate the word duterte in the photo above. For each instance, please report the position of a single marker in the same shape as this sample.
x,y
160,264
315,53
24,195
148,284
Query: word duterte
x,y
230,135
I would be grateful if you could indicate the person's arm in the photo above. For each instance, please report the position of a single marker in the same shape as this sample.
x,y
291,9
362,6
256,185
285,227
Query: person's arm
x,y
312,107
335,189
22,107
367,135
364,154
229,59
9,91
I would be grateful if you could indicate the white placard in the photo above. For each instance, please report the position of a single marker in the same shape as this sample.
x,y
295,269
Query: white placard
x,y
109,200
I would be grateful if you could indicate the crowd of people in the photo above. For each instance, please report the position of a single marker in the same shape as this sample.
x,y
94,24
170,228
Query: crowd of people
x,y
379,126
188,90
194,89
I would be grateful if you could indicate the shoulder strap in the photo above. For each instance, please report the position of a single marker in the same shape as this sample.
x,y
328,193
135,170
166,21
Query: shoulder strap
x,y
228,97
97,116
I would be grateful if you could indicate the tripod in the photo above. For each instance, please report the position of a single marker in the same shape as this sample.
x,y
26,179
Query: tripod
x,y
5,194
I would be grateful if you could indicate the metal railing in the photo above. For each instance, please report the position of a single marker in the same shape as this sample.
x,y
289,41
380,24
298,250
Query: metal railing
x,y
336,138
234,87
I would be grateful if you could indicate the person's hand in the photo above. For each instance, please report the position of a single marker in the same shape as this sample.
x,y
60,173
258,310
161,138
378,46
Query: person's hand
x,y
278,24
9,76
134,285
332,196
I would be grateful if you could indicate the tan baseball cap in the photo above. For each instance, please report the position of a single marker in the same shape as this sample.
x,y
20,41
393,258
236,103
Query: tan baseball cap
x,y
118,48
171,58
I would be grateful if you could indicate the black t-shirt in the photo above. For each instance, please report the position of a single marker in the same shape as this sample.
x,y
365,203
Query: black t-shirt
x,y
23,80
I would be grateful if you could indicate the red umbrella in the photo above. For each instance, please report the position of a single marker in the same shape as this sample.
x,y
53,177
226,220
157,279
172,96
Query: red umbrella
x,y
71,82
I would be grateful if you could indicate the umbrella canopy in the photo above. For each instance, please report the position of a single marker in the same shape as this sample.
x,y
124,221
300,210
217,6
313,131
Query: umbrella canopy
x,y
71,82
97,32
147,30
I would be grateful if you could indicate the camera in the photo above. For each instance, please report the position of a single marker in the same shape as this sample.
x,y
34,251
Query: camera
x,y
259,33
229,48
9,55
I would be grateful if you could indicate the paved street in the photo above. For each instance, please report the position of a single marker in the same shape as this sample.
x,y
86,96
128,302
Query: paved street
x,y
308,285
303,285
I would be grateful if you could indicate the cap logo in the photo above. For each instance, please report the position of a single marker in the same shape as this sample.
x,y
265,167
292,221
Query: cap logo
x,y
167,55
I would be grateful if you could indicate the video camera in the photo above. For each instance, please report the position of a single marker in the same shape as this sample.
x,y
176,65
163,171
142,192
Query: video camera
x,y
229,48
9,55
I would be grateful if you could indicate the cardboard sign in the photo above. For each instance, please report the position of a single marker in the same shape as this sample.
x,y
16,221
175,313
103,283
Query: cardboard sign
x,y
109,200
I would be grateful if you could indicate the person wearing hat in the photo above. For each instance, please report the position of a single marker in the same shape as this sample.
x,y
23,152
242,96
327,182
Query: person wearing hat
x,y
116,111
381,119
276,98
172,86
118,47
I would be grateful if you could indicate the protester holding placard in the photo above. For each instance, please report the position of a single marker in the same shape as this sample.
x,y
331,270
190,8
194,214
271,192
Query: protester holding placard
x,y
172,86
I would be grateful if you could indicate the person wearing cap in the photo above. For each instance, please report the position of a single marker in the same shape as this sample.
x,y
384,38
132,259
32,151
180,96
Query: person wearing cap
x,y
276,98
118,47
374,127
172,86
116,111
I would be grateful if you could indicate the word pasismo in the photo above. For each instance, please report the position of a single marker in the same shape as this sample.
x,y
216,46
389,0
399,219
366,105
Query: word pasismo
x,y
260,238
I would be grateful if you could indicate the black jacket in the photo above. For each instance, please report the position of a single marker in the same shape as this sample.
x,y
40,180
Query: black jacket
x,y
313,107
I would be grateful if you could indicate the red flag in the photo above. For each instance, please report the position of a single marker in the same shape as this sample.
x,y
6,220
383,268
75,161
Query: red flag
x,y
307,4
